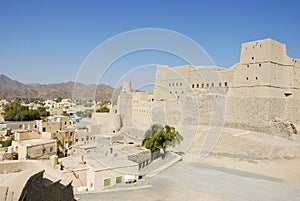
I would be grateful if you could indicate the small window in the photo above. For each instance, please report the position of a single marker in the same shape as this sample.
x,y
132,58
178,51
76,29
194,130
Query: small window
x,y
181,92
259,65
193,85
43,151
220,84
256,78
173,84
170,92
169,84
51,149
44,129
252,58
247,65
225,84
106,182
119,179
197,85
202,85
247,78
180,84
207,85
212,84
176,84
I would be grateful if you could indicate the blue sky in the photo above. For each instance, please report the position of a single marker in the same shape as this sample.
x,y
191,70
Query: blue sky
x,y
47,41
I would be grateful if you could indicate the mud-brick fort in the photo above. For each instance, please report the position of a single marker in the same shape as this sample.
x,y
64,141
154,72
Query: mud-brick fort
x,y
260,93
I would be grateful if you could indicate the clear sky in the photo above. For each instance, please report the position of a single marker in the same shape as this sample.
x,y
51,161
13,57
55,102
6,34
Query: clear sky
x,y
47,41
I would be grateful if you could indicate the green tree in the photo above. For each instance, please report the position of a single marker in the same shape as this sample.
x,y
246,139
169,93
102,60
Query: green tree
x,y
58,100
43,112
154,129
159,138
7,143
14,111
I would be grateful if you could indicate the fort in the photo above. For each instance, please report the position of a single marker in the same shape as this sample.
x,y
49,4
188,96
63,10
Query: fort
x,y
260,93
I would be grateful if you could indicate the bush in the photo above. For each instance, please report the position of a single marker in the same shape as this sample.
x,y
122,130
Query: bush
x,y
7,142
103,109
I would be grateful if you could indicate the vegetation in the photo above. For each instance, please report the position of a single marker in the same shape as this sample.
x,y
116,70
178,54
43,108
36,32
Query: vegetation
x,y
7,143
14,111
58,100
159,138
86,113
64,113
103,109
29,100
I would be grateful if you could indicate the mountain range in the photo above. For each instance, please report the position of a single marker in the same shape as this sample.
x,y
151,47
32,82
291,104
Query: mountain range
x,y
10,89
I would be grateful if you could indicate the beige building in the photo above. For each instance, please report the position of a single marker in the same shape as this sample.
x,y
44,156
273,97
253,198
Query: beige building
x,y
137,108
60,128
35,148
260,93
99,164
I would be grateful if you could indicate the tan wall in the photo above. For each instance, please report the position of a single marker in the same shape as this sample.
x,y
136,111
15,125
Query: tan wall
x,y
107,122
255,93
106,175
54,124
50,127
264,50
46,135
35,151
41,151
27,135
94,178
22,152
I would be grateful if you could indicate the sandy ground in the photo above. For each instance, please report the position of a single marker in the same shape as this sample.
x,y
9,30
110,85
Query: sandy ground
x,y
214,180
285,170
244,165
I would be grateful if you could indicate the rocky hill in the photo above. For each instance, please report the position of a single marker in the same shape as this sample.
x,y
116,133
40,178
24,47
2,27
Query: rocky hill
x,y
10,89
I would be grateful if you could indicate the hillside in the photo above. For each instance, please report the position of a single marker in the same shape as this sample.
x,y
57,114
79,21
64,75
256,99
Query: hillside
x,y
10,89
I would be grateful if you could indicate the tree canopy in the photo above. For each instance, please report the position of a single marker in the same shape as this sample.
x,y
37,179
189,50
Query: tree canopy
x,y
159,137
103,109
14,111
7,143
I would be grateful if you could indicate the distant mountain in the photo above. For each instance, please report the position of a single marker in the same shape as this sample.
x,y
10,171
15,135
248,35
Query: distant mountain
x,y
10,89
